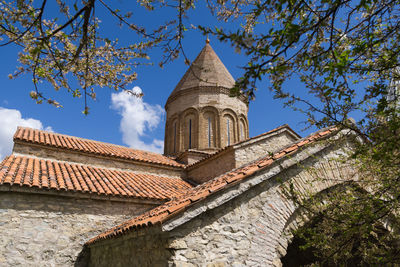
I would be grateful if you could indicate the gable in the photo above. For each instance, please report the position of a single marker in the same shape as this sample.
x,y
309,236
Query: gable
x,y
241,153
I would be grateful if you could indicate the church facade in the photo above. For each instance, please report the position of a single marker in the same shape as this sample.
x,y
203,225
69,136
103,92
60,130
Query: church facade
x,y
215,198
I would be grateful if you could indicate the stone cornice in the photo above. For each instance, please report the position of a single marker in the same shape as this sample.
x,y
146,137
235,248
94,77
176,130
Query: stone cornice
x,y
204,90
52,192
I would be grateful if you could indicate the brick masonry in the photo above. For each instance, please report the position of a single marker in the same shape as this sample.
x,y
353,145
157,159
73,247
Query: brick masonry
x,y
199,104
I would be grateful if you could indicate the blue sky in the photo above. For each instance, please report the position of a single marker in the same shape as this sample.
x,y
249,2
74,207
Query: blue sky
x,y
111,112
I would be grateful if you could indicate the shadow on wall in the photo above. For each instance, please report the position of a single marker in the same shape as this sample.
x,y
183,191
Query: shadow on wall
x,y
83,258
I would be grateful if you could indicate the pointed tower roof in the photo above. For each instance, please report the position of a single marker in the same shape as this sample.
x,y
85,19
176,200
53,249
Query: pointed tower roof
x,y
206,70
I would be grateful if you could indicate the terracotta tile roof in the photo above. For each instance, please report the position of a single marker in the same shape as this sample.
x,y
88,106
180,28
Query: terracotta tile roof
x,y
171,208
60,176
243,141
90,146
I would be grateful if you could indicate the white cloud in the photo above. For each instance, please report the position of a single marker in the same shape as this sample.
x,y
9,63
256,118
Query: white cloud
x,y
138,118
10,119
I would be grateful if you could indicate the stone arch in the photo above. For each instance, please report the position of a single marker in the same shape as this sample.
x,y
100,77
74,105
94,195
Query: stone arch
x,y
229,129
172,135
189,129
209,128
289,243
319,179
296,220
252,222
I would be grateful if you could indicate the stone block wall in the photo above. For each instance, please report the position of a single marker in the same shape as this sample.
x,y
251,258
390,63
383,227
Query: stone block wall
x,y
209,169
238,156
48,230
260,148
247,230
148,248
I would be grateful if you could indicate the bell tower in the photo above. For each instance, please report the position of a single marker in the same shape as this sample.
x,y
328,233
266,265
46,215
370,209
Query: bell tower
x,y
201,116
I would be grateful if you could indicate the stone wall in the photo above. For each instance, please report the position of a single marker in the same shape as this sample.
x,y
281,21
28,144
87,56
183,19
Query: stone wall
x,y
95,160
46,230
146,248
260,148
243,226
239,155
248,230
216,97
212,167
190,157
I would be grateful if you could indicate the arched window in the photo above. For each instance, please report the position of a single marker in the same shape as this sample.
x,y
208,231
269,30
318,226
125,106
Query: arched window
x,y
208,125
190,133
241,131
229,130
174,137
209,129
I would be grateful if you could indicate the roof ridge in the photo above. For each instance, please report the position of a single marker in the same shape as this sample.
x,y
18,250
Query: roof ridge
x,y
90,146
82,138
178,204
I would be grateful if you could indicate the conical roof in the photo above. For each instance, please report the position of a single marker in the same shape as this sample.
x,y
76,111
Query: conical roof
x,y
206,70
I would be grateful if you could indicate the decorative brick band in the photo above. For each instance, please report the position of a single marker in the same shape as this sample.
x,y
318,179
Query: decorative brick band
x,y
204,90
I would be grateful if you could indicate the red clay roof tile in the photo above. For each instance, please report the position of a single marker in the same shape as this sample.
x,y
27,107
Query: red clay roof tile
x,y
218,184
40,173
265,162
90,146
199,195
161,213
179,206
291,148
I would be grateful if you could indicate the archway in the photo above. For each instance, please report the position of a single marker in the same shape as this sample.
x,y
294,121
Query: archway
x,y
369,243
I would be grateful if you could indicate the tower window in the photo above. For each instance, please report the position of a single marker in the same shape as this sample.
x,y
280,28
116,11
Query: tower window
x,y
174,137
190,133
241,131
209,132
228,131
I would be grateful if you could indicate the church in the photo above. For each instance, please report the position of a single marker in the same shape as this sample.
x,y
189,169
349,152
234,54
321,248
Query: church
x,y
216,197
